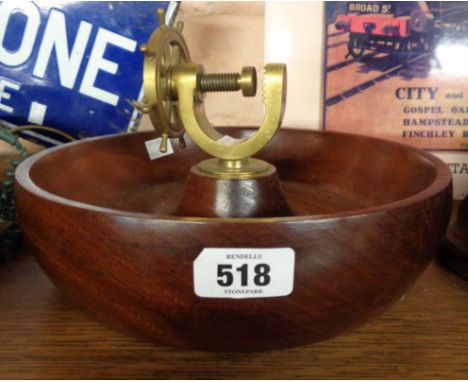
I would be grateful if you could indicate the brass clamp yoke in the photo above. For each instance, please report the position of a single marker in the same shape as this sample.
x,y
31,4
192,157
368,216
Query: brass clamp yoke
x,y
174,90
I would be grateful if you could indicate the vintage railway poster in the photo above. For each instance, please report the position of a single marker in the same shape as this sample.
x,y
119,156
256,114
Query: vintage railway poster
x,y
399,70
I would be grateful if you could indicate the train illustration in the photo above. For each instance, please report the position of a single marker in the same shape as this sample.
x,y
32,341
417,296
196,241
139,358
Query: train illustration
x,y
398,27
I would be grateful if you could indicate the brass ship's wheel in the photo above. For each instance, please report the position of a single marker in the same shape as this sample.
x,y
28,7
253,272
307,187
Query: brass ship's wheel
x,y
165,49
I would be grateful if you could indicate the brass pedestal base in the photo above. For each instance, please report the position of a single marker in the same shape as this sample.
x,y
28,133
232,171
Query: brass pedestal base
x,y
246,168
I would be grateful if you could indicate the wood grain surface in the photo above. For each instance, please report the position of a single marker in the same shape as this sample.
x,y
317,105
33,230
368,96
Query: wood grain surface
x,y
425,335
42,335
132,267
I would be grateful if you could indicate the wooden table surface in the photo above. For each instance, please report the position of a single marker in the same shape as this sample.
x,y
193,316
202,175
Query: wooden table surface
x,y
425,335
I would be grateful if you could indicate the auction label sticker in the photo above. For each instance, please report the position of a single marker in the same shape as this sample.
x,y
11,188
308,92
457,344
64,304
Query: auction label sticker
x,y
244,272
153,148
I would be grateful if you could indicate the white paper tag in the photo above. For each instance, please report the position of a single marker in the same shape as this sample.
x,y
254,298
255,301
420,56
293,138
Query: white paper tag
x,y
152,146
244,272
228,140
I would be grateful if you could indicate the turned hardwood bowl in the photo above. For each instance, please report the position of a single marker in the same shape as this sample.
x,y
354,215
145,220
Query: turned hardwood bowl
x,y
367,216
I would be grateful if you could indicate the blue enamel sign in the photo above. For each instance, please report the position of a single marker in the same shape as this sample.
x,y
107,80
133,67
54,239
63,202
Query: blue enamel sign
x,y
75,66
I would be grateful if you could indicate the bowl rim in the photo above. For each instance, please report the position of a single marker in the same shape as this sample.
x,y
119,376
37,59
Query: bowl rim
x,y
442,180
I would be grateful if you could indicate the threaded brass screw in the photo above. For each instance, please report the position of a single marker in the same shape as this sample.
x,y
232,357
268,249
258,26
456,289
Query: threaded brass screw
x,y
229,82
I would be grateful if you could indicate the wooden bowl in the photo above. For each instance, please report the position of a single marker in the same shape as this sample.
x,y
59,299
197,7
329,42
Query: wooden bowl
x,y
368,216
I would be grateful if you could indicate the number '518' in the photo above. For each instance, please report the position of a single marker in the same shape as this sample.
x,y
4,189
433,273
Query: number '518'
x,y
226,274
